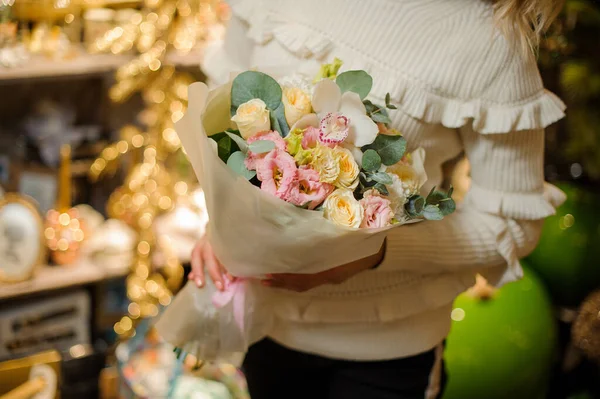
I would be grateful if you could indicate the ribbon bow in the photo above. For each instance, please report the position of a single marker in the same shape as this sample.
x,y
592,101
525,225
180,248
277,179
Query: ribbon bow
x,y
235,292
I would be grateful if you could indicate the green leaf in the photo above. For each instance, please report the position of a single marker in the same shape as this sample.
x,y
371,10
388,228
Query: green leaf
x,y
381,188
250,85
435,197
450,191
432,212
371,161
274,122
236,163
391,106
224,148
281,124
391,149
447,206
381,118
414,206
382,177
358,82
241,143
261,146
387,99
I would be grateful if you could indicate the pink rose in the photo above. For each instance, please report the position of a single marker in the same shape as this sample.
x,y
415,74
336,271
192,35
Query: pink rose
x,y
378,210
252,158
309,190
311,138
278,173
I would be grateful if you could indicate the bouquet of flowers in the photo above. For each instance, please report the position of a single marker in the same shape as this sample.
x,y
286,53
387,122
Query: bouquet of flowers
x,y
299,176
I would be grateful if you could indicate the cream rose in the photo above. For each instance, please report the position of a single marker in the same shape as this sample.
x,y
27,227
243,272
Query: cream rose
x,y
252,117
406,174
296,103
327,162
343,209
349,170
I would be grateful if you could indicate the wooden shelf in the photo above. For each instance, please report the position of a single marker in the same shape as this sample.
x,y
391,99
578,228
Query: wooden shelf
x,y
50,278
84,64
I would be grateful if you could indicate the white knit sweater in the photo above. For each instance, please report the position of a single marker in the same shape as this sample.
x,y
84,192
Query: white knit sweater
x,y
458,87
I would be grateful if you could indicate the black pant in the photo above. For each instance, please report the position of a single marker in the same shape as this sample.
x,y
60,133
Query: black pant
x,y
275,372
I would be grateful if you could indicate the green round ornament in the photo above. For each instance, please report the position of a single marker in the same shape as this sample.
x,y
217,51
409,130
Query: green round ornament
x,y
503,346
568,255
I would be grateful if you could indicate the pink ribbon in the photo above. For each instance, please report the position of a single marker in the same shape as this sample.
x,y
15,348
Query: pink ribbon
x,y
234,291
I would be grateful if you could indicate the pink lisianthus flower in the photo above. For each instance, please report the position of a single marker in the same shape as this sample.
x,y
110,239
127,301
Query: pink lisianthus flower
x,y
309,189
252,158
378,210
278,174
310,139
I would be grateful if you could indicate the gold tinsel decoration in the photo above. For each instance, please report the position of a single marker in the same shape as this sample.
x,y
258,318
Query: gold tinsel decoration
x,y
163,29
586,329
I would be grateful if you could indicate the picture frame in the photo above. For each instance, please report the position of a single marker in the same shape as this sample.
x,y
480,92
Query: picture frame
x,y
22,248
40,184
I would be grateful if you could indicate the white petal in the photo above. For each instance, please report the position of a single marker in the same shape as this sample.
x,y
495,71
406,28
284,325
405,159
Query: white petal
x,y
326,96
418,164
306,121
363,130
351,103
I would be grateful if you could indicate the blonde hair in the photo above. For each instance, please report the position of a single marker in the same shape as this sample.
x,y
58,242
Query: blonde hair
x,y
524,21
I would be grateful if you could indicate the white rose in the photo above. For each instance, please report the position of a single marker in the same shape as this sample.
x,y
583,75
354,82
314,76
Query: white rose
x,y
349,170
343,209
252,117
296,103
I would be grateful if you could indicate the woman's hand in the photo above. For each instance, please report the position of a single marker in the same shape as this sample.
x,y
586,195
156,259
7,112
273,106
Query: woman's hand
x,y
337,275
203,256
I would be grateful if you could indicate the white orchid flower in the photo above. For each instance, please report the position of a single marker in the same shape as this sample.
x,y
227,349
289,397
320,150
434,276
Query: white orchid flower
x,y
342,117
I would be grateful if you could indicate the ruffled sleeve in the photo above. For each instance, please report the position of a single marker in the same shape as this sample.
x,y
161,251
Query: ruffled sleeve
x,y
498,223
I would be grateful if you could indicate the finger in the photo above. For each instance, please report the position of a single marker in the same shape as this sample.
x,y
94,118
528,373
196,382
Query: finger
x,y
225,273
197,266
214,268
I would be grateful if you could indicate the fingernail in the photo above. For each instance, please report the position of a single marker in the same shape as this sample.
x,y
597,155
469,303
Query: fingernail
x,y
199,283
219,285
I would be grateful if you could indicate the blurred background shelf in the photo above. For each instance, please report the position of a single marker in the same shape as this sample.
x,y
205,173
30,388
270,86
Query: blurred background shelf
x,y
39,66
50,278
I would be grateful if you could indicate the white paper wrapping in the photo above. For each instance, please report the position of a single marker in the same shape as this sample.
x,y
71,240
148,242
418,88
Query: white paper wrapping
x,y
252,233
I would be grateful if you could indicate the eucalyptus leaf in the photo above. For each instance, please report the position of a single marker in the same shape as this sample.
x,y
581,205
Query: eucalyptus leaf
x,y
358,82
236,163
250,85
391,106
261,146
391,149
380,117
371,161
224,148
414,206
382,177
432,212
381,188
435,197
282,125
387,99
447,206
241,143
274,122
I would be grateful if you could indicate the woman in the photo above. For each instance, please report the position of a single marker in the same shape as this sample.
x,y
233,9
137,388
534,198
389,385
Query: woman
x,y
463,77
